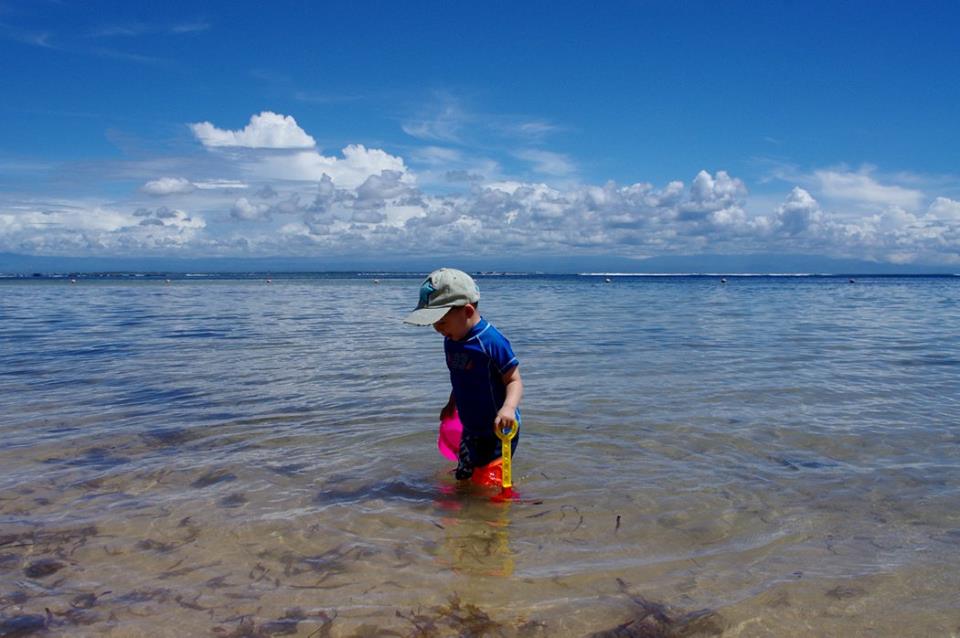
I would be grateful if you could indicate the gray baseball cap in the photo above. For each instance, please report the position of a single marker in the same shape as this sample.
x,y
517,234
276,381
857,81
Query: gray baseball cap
x,y
442,290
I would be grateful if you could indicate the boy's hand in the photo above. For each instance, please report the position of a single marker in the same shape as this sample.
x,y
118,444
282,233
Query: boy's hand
x,y
448,410
504,417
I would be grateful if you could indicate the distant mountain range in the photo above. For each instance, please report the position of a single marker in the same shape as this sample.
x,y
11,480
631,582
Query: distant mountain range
x,y
11,263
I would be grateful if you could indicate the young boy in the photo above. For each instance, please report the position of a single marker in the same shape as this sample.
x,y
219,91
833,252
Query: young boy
x,y
484,372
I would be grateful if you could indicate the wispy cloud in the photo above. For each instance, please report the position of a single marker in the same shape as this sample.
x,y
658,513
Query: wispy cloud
x,y
136,29
115,54
10,165
865,187
43,39
317,97
448,118
82,46
443,123
526,129
190,27
547,162
130,29
862,187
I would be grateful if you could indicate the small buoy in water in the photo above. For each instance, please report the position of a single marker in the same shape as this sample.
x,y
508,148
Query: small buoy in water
x,y
723,280
376,281
852,280
73,281
269,281
607,280
166,281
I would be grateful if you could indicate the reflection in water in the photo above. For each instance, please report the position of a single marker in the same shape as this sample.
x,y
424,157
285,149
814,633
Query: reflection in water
x,y
476,539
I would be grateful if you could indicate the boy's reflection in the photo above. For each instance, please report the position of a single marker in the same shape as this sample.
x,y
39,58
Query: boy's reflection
x,y
476,531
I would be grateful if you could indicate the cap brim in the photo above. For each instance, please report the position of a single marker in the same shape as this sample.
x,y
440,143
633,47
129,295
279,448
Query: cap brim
x,y
426,316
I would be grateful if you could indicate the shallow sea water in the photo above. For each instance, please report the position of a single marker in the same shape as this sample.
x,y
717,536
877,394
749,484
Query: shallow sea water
x,y
766,457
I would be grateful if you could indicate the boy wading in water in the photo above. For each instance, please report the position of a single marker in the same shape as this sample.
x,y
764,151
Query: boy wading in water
x,y
484,372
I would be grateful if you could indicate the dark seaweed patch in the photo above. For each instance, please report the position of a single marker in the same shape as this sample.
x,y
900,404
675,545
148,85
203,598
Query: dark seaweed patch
x,y
331,562
169,437
191,603
150,545
290,469
287,625
99,458
43,568
174,572
193,530
14,598
796,464
214,477
74,616
49,540
234,500
85,601
465,619
457,618
656,620
144,596
22,625
218,582
841,592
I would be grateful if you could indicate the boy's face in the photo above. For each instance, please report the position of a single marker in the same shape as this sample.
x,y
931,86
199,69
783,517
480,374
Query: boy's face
x,y
457,322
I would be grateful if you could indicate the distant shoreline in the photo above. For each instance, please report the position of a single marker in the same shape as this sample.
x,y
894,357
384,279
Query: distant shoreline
x,y
352,274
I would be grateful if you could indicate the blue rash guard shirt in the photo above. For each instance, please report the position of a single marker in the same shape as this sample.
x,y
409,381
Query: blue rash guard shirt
x,y
477,364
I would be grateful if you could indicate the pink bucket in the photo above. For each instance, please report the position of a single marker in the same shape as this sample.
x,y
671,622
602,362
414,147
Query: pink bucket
x,y
448,441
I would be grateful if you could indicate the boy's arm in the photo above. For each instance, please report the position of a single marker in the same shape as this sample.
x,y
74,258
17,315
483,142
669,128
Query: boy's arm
x,y
448,409
514,387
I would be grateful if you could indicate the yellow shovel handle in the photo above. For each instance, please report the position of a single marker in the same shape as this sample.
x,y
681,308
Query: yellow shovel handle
x,y
506,432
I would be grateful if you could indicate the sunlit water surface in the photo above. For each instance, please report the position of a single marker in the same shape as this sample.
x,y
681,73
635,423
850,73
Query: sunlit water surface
x,y
243,458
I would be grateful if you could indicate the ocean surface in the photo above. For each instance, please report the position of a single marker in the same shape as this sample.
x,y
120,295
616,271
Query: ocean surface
x,y
256,456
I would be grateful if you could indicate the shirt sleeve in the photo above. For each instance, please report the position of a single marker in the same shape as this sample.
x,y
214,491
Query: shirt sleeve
x,y
499,350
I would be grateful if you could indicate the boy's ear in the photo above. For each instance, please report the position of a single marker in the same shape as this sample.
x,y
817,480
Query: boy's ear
x,y
470,310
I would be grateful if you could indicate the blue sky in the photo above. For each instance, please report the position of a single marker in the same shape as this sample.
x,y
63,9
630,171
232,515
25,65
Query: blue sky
x,y
393,129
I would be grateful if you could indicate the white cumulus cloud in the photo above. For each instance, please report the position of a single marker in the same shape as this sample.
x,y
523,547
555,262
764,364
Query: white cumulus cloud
x,y
245,210
798,213
168,186
944,209
65,228
357,164
271,199
266,130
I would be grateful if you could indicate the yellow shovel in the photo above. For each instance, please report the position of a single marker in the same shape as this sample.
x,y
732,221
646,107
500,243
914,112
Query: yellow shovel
x,y
506,432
